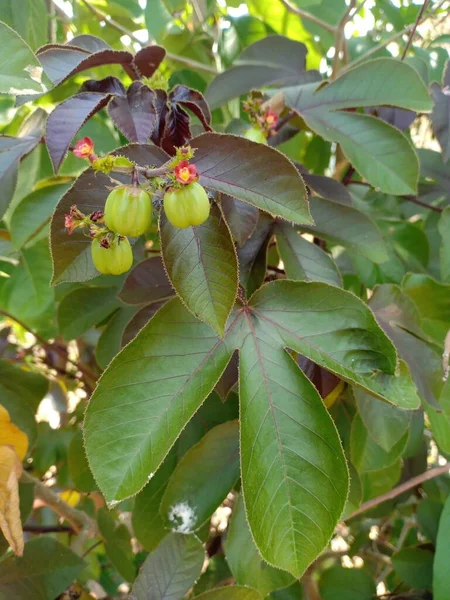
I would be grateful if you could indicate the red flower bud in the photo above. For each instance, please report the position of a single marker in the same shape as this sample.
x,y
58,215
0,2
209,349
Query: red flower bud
x,y
271,118
96,215
185,172
69,224
84,148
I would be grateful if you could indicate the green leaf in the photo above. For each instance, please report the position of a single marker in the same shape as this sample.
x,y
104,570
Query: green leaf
x,y
157,18
110,341
202,479
375,483
161,378
348,227
253,173
440,118
231,592
71,255
47,567
171,570
304,261
147,521
30,20
147,282
428,515
377,150
444,230
441,572
78,465
19,411
83,308
294,473
414,566
338,583
433,302
19,382
366,454
22,72
34,212
117,540
385,423
244,559
272,60
202,266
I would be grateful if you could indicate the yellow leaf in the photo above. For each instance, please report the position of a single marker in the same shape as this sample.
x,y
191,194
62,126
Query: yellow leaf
x,y
11,435
72,497
10,524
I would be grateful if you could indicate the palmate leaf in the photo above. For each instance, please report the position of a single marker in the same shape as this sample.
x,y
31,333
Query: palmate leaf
x,y
381,153
294,474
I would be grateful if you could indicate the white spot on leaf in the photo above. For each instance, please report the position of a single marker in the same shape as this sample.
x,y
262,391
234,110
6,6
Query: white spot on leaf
x,y
183,517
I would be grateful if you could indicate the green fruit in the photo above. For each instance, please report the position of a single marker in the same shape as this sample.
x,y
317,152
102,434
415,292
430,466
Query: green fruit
x,y
128,211
187,206
114,260
255,135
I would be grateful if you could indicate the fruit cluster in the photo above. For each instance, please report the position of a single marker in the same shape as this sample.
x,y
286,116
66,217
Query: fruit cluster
x,y
128,208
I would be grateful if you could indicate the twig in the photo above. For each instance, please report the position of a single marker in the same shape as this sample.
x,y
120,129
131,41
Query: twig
x,y
416,200
81,522
93,547
291,114
308,16
340,39
193,64
413,31
48,528
397,491
53,347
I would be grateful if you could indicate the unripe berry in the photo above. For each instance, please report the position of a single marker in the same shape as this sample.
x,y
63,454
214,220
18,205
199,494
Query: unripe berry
x,y
187,206
128,211
112,258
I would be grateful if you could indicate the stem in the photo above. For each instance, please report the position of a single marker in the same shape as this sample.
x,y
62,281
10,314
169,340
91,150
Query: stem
x,y
80,521
340,38
54,347
308,16
89,550
416,200
397,491
291,114
101,16
413,31
48,528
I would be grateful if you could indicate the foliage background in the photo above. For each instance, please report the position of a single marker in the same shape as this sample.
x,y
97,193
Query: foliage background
x,y
381,213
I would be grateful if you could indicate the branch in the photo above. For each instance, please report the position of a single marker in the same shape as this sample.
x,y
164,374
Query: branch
x,y
53,347
30,528
413,31
397,491
416,200
81,522
101,16
308,16
340,39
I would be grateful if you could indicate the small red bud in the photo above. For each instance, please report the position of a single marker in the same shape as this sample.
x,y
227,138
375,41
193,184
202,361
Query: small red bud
x,y
84,148
104,243
271,118
96,215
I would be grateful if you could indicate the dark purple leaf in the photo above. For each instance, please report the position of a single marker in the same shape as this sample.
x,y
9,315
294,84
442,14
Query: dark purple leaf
x,y
273,60
399,117
193,101
135,114
109,85
148,59
253,173
229,378
328,188
324,381
139,320
440,117
176,131
253,251
161,108
241,218
147,282
72,253
66,120
61,62
13,149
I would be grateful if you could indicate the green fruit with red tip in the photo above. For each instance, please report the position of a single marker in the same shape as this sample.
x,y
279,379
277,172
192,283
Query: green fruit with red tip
x,y
255,135
187,206
128,211
113,260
